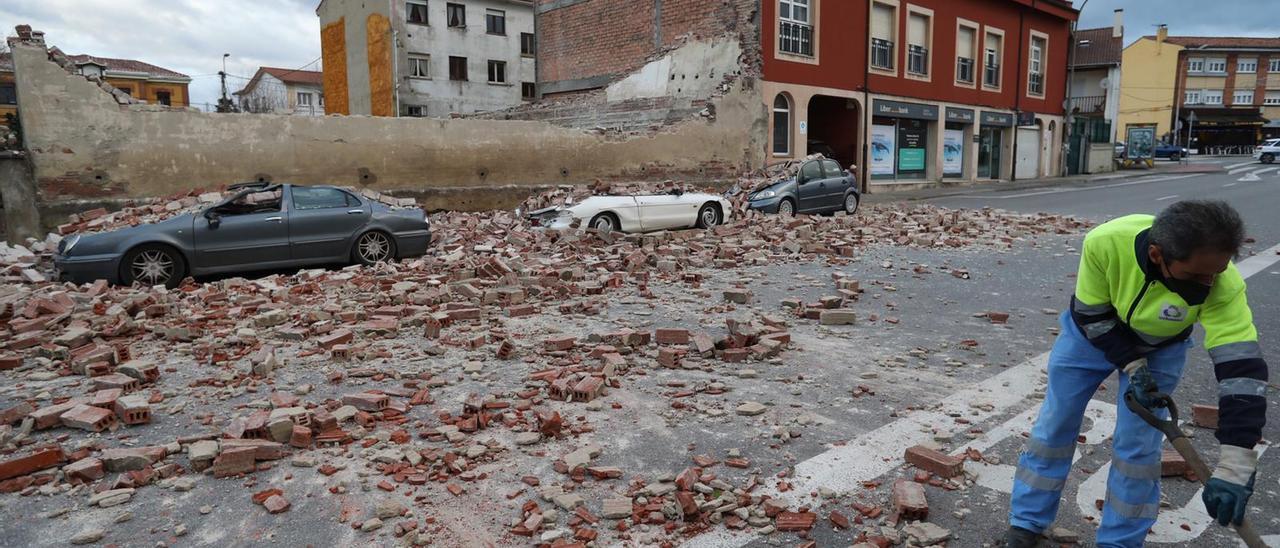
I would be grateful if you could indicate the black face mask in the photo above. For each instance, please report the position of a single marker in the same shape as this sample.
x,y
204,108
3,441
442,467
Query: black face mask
x,y
1195,293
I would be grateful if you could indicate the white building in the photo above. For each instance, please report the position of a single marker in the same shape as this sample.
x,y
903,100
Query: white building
x,y
445,57
283,91
1095,97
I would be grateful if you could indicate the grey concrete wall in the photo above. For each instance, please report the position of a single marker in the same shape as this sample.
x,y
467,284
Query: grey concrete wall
x,y
18,193
85,146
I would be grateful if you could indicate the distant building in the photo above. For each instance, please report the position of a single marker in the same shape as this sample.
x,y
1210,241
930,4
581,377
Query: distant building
x,y
428,57
283,91
1230,85
1095,97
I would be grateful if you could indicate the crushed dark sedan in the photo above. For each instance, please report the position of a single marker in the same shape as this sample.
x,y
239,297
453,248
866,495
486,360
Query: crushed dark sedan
x,y
814,185
262,226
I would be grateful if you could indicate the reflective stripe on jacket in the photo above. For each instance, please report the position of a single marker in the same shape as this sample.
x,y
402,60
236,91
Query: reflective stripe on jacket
x,y
1124,309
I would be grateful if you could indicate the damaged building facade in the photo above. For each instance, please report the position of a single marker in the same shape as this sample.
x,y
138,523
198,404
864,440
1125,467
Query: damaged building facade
x,y
909,92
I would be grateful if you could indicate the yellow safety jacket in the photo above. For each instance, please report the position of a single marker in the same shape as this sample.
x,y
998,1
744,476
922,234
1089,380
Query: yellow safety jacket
x,y
1122,307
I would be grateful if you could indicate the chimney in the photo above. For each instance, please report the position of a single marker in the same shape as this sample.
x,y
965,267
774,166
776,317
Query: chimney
x,y
37,37
1162,33
1117,28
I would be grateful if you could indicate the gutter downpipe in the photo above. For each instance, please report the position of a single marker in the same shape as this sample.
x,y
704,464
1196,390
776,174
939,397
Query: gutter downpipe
x,y
395,57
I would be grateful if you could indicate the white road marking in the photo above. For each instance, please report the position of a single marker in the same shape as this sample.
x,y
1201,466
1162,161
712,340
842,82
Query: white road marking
x,y
1169,197
876,453
1266,170
1080,189
1229,185
1241,170
1240,165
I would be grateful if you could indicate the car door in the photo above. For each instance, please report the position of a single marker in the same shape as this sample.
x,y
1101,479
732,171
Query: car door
x,y
835,184
810,190
665,211
251,230
322,222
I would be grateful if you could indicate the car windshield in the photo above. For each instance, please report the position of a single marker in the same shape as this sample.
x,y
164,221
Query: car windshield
x,y
252,201
1271,143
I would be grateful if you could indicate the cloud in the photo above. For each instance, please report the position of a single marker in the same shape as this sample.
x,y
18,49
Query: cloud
x,y
188,36
1184,17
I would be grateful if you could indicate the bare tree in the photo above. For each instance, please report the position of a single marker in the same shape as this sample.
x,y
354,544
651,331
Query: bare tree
x,y
263,100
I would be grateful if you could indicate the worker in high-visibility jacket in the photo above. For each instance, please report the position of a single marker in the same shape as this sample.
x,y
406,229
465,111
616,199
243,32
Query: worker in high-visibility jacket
x,y
1143,283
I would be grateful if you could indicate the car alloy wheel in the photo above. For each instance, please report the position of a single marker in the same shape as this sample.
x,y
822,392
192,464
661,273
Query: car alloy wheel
x,y
708,217
152,267
1268,158
785,208
850,204
603,223
374,247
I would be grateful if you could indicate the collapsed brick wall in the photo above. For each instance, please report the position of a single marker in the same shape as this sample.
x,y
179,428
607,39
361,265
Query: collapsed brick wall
x,y
141,151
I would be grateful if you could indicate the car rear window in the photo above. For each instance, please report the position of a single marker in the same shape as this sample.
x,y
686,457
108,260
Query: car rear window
x,y
832,168
320,198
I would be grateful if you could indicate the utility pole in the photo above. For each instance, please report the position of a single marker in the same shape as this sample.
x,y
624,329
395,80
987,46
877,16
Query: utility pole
x,y
224,103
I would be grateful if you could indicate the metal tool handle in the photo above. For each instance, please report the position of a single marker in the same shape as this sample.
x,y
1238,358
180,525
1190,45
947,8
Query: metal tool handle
x,y
1183,446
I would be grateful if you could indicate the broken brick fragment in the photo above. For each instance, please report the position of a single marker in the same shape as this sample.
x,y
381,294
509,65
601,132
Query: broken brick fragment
x,y
935,462
39,459
1205,416
796,521
909,500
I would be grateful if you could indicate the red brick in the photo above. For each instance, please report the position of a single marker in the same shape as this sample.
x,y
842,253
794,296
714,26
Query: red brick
x,y
735,355
88,417
262,496
116,380
365,401
233,461
909,501
339,336
839,520
1172,464
935,462
522,310
36,461
796,521
672,336
48,417
85,470
1205,416
553,344
301,437
276,504
669,357
262,449
10,361
998,317
15,413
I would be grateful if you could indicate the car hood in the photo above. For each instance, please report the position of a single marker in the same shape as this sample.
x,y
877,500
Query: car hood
x,y
182,221
775,185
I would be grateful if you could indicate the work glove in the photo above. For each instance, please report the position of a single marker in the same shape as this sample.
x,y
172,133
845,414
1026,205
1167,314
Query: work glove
x,y
1142,385
1227,492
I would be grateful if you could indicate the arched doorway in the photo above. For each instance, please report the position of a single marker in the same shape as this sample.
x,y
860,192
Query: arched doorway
x,y
833,128
782,125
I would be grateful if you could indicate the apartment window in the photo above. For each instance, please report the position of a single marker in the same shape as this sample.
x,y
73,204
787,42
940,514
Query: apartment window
x,y
456,14
458,68
495,22
419,66
1217,66
1274,66
416,111
1213,97
497,72
164,98
884,28
966,53
918,39
8,94
1242,98
528,90
528,47
795,28
304,99
1035,69
991,60
1195,65
781,126
1247,66
1192,98
416,11
1271,98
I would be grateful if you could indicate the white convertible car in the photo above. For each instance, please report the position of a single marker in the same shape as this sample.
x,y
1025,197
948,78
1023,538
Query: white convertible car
x,y
639,213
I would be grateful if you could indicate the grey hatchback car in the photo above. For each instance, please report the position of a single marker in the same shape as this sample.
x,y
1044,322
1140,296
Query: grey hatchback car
x,y
819,186
262,226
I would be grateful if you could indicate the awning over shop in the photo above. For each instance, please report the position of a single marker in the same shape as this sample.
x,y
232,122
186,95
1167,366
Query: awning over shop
x,y
1207,117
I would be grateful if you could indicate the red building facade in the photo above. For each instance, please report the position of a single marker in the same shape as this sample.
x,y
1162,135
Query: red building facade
x,y
919,91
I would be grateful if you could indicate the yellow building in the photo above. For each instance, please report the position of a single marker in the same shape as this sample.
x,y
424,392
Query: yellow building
x,y
1149,77
150,83
8,91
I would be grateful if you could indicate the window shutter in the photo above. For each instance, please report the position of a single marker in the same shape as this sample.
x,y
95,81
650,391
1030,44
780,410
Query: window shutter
x,y
882,22
964,43
918,30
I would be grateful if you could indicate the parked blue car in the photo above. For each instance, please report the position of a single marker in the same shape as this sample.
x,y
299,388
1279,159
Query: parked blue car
x,y
1166,150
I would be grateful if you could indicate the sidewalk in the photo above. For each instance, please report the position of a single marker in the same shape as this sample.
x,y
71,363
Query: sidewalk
x,y
943,190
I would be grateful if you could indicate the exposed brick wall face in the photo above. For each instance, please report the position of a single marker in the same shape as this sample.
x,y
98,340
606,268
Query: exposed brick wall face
x,y
613,37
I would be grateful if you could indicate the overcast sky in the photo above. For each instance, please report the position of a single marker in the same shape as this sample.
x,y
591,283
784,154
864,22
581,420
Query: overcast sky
x,y
190,36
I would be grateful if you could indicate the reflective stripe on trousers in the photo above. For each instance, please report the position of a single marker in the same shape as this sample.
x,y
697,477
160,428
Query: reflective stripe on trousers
x,y
1076,369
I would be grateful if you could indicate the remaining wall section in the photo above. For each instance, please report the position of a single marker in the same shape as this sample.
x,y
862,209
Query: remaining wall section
x,y
84,145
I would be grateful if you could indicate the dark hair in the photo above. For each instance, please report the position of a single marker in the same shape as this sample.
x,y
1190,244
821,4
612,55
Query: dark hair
x,y
1195,225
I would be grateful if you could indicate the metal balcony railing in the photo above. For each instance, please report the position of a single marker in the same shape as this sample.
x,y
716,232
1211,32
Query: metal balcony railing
x,y
796,38
1088,105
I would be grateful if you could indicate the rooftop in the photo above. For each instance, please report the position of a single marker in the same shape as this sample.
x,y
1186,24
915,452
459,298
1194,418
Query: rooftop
x,y
1097,47
288,76
1222,42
